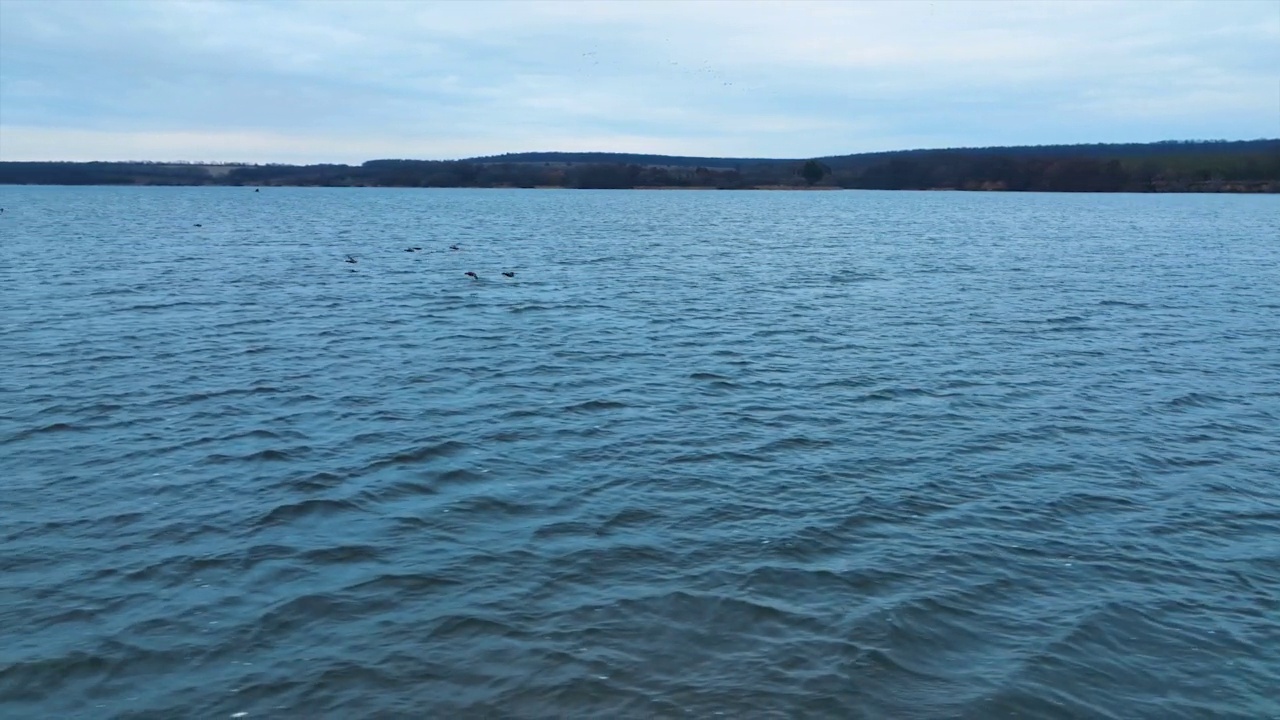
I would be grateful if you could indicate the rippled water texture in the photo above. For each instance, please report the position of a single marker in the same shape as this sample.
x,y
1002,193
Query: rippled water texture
x,y
760,455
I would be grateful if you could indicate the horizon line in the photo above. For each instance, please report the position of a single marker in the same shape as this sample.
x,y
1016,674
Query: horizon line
x,y
665,155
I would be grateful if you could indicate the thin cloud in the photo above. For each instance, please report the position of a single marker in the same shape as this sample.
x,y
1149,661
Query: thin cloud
x,y
347,81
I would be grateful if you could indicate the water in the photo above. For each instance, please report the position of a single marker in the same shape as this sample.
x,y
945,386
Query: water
x,y
760,455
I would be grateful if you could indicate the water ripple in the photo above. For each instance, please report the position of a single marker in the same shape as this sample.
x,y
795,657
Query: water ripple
x,y
766,455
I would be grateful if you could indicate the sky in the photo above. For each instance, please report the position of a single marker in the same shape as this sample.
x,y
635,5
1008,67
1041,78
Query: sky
x,y
296,81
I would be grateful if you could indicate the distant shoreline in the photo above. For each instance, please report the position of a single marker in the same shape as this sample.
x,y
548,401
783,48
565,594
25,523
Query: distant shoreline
x,y
1246,166
1225,188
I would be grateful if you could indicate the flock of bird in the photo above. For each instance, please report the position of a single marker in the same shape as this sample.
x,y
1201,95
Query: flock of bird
x,y
506,273
351,260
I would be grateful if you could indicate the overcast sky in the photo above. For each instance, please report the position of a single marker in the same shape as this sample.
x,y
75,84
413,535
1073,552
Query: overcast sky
x,y
331,81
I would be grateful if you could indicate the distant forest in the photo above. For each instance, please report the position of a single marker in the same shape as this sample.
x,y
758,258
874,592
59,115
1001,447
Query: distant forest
x,y
1170,166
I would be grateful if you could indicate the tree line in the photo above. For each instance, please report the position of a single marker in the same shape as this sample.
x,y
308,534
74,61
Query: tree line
x,y
1191,166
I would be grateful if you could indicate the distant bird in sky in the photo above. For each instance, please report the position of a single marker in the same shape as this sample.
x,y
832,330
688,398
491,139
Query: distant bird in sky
x,y
351,260
508,274
471,275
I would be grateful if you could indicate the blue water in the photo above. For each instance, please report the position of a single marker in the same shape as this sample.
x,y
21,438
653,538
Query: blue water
x,y
756,454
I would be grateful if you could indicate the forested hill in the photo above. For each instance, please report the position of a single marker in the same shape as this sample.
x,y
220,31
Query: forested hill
x,y
1101,151
1181,166
602,158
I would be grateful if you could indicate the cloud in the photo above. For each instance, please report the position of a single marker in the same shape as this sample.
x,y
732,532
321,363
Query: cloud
x,y
345,81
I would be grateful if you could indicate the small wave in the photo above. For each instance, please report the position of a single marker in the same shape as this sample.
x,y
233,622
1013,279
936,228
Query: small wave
x,y
103,292
302,398
489,506
342,554
458,628
1085,503
409,583
511,436
265,455
712,457
457,475
271,454
178,569
708,612
1183,461
266,553
307,610
167,306
631,516
1122,303
124,519
421,454
378,437
315,482
767,333
852,277
1194,400
573,528
399,490
850,383
708,376
960,384
108,357
797,442
262,434
896,393
37,680
595,406
284,514
58,427
196,397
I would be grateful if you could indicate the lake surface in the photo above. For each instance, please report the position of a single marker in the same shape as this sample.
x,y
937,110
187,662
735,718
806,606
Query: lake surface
x,y
741,454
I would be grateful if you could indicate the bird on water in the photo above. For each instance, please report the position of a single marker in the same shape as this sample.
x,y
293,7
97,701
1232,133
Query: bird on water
x,y
350,260
508,274
454,247
471,275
